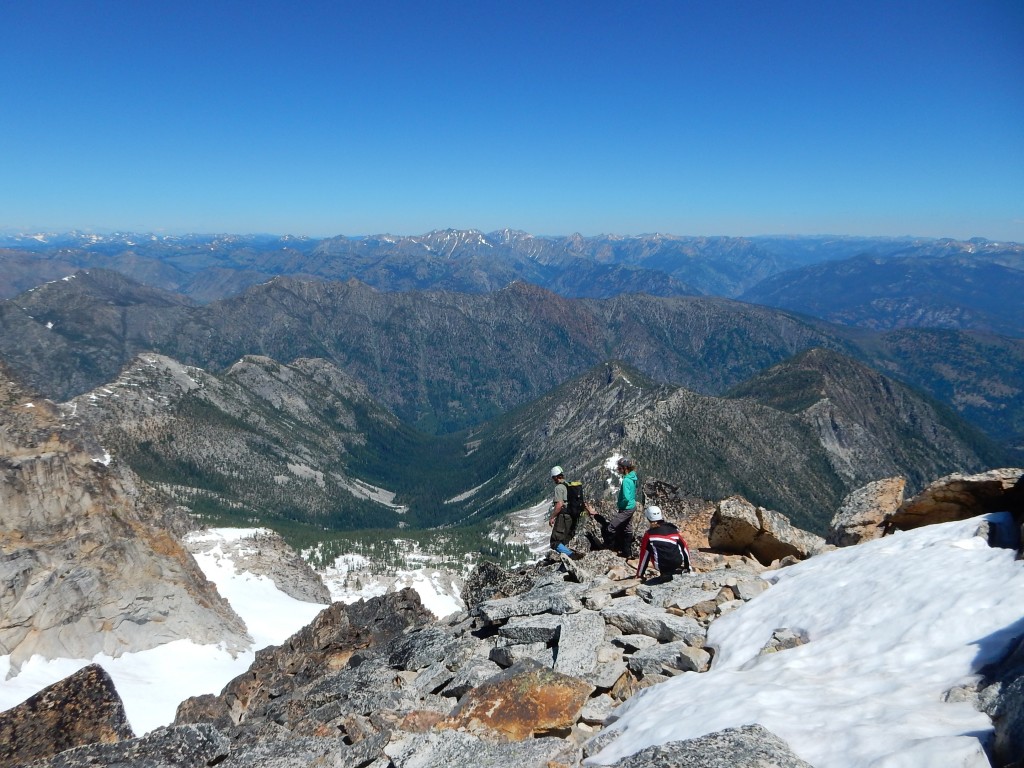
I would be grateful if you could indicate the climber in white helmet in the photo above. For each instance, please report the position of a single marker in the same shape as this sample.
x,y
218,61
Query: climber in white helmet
x,y
662,547
559,518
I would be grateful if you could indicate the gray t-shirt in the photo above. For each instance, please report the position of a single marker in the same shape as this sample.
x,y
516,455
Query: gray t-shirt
x,y
561,495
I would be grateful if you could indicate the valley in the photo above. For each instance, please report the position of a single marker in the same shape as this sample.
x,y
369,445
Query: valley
x,y
326,408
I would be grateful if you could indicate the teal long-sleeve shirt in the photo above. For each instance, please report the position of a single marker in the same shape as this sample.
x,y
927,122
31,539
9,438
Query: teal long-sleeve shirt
x,y
627,492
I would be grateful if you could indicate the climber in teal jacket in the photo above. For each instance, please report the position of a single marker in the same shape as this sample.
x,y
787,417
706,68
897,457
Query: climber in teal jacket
x,y
618,533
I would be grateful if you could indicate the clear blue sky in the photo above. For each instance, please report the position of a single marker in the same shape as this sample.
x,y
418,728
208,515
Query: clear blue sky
x,y
728,117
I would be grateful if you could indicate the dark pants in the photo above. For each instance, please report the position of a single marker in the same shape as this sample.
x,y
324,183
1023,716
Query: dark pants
x,y
618,532
562,530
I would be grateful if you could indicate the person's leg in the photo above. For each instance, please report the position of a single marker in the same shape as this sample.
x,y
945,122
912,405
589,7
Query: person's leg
x,y
627,535
620,529
561,532
608,532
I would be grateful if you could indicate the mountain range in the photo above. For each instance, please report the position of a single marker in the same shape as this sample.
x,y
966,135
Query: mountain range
x,y
906,291
873,281
444,361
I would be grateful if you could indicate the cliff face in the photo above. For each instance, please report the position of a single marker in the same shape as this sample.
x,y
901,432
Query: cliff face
x,y
83,567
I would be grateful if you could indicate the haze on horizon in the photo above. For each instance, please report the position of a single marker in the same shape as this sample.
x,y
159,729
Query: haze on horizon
x,y
328,118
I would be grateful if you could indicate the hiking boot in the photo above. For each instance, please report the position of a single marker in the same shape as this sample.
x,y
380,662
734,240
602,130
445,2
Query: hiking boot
x,y
576,556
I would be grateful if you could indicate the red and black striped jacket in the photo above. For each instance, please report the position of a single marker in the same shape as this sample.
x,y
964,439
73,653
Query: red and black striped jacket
x,y
665,549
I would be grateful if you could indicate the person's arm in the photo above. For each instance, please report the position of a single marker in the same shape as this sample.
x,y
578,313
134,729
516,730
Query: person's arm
x,y
685,550
554,512
560,497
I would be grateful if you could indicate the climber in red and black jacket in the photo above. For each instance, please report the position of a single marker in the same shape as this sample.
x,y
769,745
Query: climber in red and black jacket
x,y
662,547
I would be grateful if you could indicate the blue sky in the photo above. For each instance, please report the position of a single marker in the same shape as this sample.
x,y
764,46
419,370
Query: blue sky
x,y
720,117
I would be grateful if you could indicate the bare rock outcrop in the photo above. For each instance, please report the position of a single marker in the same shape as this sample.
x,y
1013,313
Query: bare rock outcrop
x,y
742,528
183,746
83,708
864,511
1000,694
266,553
84,567
327,645
456,748
488,581
752,746
690,514
530,675
959,497
525,677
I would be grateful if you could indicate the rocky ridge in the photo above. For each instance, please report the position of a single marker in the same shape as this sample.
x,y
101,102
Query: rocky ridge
x,y
525,678
869,425
260,437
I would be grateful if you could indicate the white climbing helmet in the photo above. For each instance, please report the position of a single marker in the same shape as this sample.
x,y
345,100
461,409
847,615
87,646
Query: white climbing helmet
x,y
653,513
556,471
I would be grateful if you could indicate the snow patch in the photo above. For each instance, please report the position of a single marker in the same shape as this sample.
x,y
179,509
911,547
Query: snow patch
x,y
363,490
307,473
464,496
353,577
